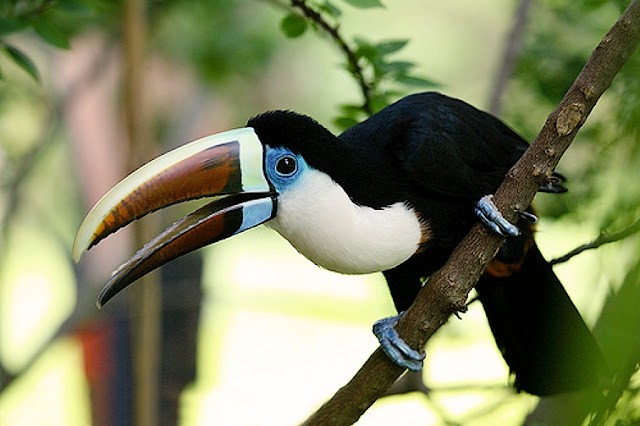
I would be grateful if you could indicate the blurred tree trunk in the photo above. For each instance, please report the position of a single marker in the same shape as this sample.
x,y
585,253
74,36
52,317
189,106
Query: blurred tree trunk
x,y
181,301
145,297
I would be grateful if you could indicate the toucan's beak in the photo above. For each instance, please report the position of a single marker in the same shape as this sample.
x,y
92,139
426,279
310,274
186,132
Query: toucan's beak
x,y
227,166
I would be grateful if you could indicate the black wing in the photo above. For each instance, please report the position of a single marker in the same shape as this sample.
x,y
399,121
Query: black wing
x,y
452,149
539,331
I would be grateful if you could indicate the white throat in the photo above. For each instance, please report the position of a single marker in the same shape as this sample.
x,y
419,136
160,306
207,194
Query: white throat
x,y
319,219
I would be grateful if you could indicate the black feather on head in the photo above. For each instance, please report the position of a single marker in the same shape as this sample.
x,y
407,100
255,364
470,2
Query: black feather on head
x,y
300,133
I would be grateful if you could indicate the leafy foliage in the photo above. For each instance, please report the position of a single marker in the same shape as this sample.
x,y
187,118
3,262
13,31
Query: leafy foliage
x,y
21,59
381,77
54,21
216,38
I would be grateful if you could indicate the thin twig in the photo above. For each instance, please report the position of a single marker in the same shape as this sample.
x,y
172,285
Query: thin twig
x,y
27,162
603,238
352,59
23,170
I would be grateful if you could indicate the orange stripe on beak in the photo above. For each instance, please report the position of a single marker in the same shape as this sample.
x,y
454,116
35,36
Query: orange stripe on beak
x,y
211,172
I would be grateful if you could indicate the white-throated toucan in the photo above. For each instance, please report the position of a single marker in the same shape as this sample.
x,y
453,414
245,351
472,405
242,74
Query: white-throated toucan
x,y
395,193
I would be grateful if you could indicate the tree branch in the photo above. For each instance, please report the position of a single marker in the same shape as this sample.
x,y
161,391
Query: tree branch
x,y
447,289
352,59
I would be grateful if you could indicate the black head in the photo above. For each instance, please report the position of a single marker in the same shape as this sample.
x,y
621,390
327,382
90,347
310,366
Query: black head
x,y
301,134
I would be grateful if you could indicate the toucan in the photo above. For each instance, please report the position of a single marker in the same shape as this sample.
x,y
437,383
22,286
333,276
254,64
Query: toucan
x,y
393,194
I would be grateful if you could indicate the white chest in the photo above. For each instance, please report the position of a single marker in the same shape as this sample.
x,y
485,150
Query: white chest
x,y
322,223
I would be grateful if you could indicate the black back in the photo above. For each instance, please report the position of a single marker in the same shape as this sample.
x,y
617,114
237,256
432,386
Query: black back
x,y
444,146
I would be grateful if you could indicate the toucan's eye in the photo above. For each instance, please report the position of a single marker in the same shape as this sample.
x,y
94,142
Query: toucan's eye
x,y
282,167
286,166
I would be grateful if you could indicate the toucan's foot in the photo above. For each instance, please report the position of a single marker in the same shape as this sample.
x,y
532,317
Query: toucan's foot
x,y
554,184
489,214
392,344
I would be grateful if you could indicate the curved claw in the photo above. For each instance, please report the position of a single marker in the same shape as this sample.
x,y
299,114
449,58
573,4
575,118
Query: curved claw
x,y
529,217
489,214
554,184
394,346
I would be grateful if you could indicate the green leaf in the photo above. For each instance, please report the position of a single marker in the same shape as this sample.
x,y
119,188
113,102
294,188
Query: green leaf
x,y
381,100
344,122
52,34
365,49
73,6
364,4
409,80
391,46
293,25
391,70
399,68
11,25
22,61
351,109
330,9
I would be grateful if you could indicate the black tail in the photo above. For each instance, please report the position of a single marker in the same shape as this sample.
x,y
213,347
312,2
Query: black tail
x,y
539,331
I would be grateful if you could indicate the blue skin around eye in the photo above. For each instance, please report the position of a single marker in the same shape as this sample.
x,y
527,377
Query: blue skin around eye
x,y
280,182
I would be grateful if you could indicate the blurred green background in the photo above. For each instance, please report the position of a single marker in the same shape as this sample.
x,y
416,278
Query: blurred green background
x,y
250,332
